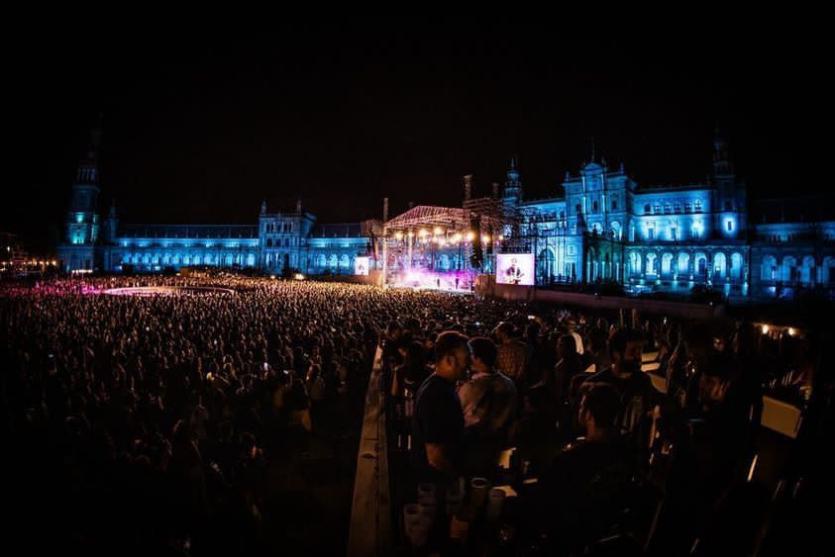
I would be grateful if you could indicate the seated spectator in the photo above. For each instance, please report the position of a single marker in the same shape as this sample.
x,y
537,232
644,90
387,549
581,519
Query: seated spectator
x,y
637,395
587,488
567,368
533,434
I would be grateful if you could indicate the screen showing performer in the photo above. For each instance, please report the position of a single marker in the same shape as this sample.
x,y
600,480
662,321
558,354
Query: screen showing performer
x,y
515,268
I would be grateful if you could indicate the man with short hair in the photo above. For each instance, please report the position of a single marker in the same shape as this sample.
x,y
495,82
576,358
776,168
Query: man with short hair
x,y
587,487
438,424
637,395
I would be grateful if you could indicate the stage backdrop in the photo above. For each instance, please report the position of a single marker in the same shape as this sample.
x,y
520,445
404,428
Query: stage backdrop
x,y
515,268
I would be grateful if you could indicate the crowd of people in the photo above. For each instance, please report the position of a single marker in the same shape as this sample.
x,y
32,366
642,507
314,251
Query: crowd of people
x,y
151,423
607,455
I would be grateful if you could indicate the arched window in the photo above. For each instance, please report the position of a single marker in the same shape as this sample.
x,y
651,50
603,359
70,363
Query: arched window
x,y
651,264
616,230
700,266
789,269
683,263
647,209
635,262
666,263
828,270
736,266
719,265
545,264
769,268
807,273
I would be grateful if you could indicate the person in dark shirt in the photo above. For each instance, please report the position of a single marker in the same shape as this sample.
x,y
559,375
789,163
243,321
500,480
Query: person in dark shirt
x,y
588,485
413,371
637,395
438,425
567,367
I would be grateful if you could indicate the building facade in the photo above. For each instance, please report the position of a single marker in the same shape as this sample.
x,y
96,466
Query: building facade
x,y
280,242
600,226
671,238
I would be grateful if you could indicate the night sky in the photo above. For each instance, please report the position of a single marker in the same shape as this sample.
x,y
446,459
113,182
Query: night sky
x,y
201,126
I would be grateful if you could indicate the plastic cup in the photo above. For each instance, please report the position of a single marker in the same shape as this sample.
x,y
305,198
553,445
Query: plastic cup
x,y
426,494
495,501
454,499
478,491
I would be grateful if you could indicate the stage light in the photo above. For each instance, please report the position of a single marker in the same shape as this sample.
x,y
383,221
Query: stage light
x,y
765,329
456,238
792,332
423,232
438,231
398,235
298,276
485,238
501,237
470,236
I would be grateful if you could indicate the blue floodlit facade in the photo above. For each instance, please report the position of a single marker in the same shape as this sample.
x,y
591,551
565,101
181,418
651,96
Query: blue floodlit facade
x,y
671,238
600,226
280,242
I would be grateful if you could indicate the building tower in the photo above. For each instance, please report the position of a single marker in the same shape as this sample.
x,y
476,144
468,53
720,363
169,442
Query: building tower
x,y
512,187
80,251
729,194
82,222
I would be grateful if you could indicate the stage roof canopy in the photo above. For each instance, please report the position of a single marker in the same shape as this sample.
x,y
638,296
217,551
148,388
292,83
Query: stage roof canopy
x,y
449,218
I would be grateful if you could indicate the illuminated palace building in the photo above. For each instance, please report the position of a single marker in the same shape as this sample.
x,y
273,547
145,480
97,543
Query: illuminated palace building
x,y
600,226
279,241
